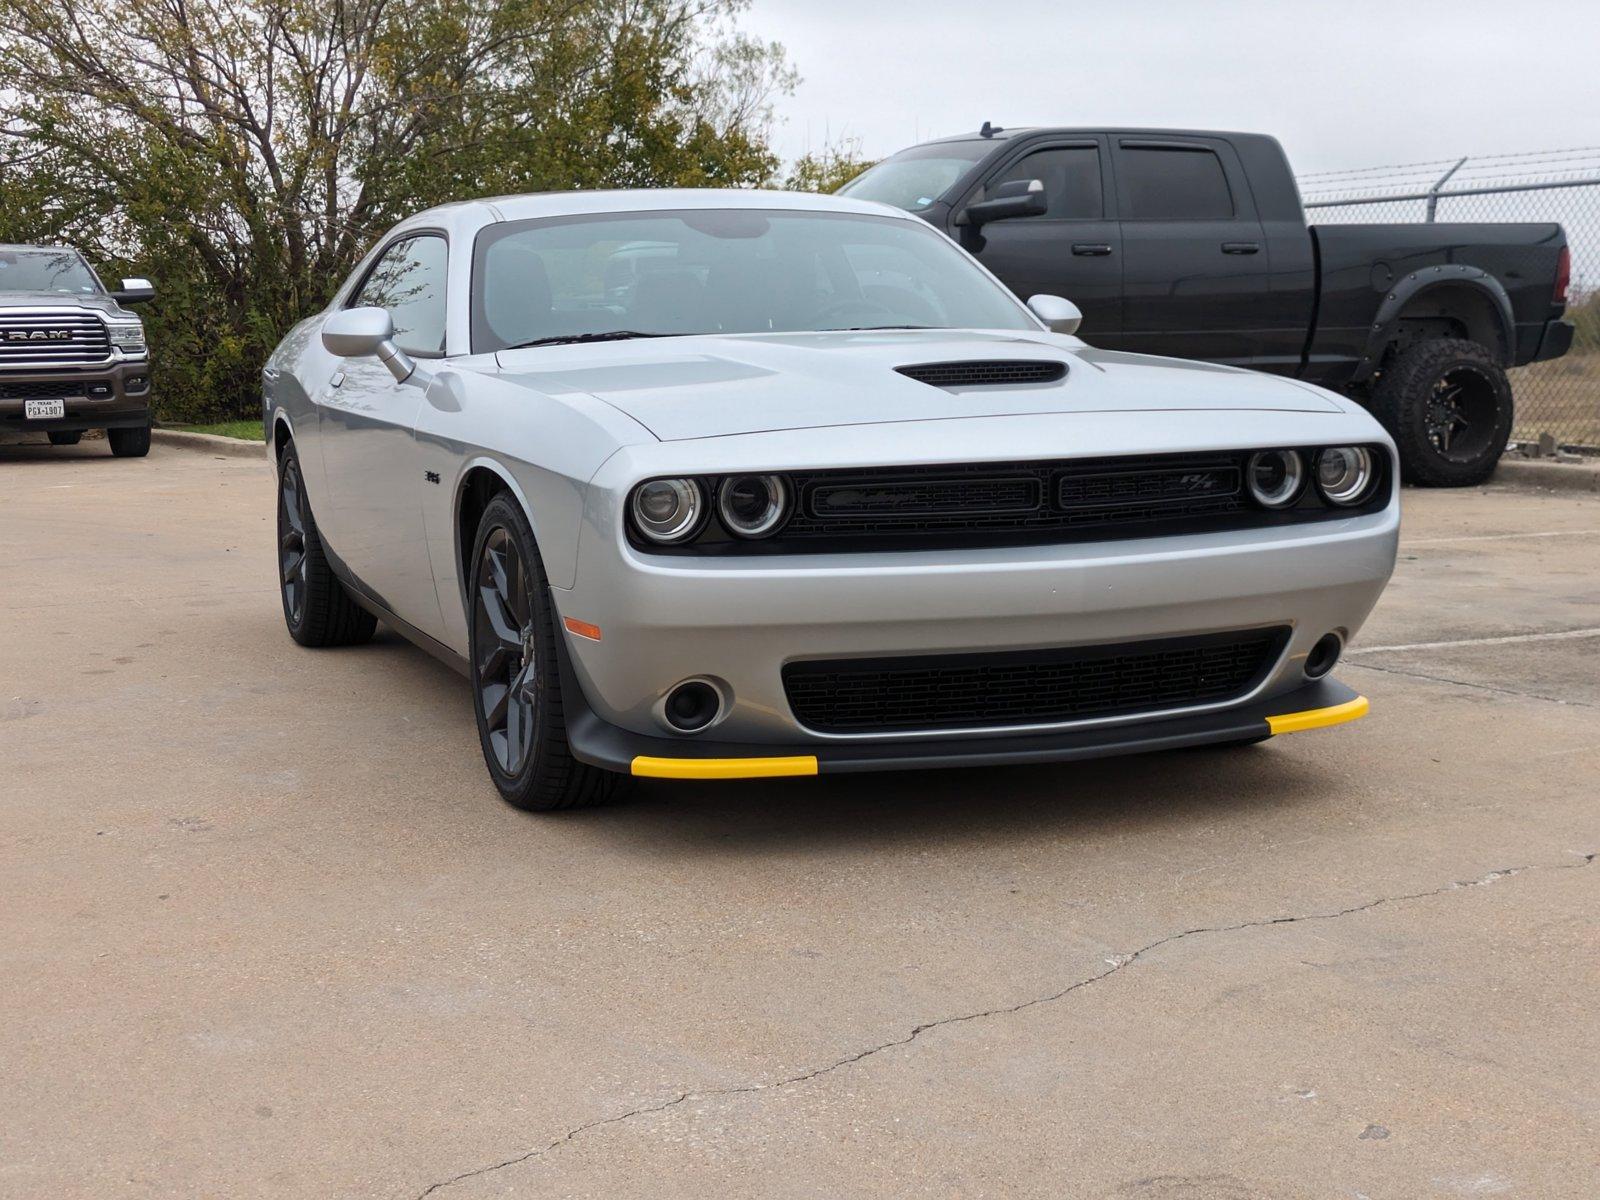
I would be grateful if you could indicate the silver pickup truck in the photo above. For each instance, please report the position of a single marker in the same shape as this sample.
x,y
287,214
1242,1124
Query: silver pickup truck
x,y
72,358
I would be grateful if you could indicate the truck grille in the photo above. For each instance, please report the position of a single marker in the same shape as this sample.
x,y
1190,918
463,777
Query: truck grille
x,y
47,339
1029,687
48,389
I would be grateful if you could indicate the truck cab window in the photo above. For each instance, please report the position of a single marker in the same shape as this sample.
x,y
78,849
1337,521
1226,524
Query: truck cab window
x,y
1162,184
1071,178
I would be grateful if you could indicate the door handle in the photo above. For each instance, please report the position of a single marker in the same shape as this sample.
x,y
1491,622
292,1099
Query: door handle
x,y
1241,247
1091,249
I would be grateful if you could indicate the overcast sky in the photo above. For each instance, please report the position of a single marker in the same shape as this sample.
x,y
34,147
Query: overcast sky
x,y
1343,84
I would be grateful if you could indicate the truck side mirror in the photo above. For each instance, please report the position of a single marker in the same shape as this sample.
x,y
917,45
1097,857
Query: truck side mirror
x,y
1063,316
134,291
1014,198
364,333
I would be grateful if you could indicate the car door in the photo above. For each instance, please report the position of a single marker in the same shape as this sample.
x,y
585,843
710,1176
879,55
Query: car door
x,y
1071,249
367,424
1196,275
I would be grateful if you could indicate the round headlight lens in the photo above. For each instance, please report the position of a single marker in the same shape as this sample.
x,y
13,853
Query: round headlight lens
x,y
753,506
1344,474
667,510
1276,477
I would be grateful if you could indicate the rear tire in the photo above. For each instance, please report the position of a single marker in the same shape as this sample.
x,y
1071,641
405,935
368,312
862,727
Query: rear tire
x,y
1447,404
65,437
516,681
129,443
316,607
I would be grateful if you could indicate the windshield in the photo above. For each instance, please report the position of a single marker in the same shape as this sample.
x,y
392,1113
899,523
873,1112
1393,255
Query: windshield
x,y
915,178
724,271
46,271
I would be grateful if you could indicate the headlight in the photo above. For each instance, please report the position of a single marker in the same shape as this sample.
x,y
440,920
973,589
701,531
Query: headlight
x,y
667,510
129,338
1344,474
1276,477
753,506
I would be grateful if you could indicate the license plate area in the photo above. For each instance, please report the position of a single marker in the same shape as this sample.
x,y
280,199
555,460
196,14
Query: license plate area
x,y
43,410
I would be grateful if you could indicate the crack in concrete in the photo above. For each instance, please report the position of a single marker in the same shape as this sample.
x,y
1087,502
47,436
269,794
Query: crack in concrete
x,y
1114,965
1480,687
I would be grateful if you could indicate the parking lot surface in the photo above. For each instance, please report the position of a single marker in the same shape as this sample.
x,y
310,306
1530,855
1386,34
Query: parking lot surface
x,y
267,930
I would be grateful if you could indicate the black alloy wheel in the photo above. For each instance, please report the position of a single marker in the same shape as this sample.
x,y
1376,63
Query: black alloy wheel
x,y
316,607
1447,404
292,516
515,669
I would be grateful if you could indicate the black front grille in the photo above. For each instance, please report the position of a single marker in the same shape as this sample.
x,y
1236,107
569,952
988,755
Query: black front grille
x,y
48,389
1028,687
985,373
41,338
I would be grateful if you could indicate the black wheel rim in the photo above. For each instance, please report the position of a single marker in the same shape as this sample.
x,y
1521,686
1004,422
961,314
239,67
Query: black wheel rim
x,y
292,541
504,656
1461,414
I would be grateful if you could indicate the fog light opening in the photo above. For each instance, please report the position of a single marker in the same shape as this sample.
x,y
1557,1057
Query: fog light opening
x,y
691,706
1324,655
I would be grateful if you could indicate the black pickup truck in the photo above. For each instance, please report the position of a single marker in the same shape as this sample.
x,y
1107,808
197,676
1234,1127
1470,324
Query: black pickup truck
x,y
1195,245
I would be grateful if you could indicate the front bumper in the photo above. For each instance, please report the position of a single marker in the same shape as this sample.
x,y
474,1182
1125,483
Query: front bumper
x,y
1314,706
104,397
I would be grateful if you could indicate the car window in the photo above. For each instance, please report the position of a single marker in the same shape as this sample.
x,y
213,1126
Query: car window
x,y
409,281
1071,178
1161,184
724,271
915,178
46,270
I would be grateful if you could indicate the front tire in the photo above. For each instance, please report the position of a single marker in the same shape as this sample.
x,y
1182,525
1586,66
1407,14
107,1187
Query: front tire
x,y
316,607
1447,404
516,684
129,443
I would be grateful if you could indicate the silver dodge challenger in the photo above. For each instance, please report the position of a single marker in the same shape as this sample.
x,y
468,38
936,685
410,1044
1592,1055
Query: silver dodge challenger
x,y
721,485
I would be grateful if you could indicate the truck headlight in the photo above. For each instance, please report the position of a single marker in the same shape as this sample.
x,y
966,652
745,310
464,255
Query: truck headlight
x,y
129,338
1345,474
667,510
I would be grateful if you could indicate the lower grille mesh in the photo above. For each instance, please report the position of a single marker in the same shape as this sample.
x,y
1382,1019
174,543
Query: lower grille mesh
x,y
1028,687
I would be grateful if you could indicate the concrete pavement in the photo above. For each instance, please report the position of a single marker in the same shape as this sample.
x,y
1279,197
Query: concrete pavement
x,y
267,930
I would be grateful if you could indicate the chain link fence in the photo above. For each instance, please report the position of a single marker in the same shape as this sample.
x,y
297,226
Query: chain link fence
x,y
1557,400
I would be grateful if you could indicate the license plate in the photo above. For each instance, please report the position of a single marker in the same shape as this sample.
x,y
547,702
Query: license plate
x,y
43,410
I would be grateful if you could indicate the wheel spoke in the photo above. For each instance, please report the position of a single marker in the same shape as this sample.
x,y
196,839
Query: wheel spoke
x,y
493,607
496,697
294,562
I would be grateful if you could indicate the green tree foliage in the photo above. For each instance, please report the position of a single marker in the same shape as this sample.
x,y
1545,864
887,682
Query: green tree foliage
x,y
828,169
245,153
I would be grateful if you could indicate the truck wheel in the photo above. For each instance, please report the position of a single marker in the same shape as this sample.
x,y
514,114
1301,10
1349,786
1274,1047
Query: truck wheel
x,y
1447,404
65,437
516,685
317,609
129,443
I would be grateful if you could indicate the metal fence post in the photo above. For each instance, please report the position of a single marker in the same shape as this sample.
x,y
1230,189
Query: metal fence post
x,y
1433,192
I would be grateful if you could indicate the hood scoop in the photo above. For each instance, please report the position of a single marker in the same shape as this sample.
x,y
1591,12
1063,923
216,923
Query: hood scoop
x,y
986,372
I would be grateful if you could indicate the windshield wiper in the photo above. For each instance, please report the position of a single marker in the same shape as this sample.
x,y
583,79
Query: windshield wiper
x,y
872,328
567,339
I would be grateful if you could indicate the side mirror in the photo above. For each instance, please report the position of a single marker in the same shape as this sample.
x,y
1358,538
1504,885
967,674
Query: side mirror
x,y
134,291
363,333
1063,316
1014,198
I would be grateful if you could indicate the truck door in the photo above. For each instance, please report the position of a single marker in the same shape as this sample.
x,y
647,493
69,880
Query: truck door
x,y
1072,249
1196,271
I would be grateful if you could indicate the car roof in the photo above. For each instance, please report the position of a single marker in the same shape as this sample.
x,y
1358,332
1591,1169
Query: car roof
x,y
1002,135
564,204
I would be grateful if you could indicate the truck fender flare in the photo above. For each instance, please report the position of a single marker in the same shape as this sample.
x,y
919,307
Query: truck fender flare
x,y
1421,281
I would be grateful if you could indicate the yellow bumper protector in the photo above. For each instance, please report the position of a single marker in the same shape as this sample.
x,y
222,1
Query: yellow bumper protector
x,y
723,768
1317,718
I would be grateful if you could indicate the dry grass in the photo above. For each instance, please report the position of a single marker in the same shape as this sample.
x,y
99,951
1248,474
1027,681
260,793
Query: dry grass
x,y
1561,398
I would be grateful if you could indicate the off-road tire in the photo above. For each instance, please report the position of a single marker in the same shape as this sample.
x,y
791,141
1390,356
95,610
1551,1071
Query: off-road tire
x,y
1413,400
316,607
507,590
65,437
129,443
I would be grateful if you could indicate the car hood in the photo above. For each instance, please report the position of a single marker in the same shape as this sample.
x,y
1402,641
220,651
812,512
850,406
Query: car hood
x,y
696,387
101,304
